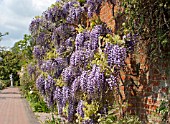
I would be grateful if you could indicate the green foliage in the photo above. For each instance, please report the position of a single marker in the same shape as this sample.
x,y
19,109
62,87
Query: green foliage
x,y
8,65
82,1
2,85
80,29
27,81
53,120
59,82
116,39
23,48
30,93
114,117
128,119
164,108
36,102
90,109
52,54
94,22
150,20
14,59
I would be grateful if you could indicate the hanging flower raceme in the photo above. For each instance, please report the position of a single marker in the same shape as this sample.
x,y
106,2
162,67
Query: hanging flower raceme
x,y
115,55
80,107
58,96
40,84
31,69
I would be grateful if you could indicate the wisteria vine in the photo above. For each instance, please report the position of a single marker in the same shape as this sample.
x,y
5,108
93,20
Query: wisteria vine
x,y
69,75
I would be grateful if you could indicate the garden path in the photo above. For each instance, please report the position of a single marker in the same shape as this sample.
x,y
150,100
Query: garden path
x,y
14,109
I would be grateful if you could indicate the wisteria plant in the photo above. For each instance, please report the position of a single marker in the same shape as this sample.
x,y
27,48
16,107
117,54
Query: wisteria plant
x,y
78,64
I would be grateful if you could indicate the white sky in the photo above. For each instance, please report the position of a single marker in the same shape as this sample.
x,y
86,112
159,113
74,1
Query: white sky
x,y
16,15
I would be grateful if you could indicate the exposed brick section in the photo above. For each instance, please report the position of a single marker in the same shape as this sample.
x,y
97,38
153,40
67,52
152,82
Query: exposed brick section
x,y
106,15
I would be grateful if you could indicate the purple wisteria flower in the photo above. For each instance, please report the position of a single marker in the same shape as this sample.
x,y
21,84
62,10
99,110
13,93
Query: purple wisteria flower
x,y
80,107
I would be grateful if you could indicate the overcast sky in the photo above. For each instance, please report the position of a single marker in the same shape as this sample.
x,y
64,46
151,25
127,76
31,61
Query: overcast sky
x,y
16,15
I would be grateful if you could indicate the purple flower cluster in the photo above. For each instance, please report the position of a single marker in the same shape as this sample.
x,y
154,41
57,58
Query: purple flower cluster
x,y
40,38
49,84
66,94
112,81
89,40
61,95
95,81
75,86
94,36
80,57
31,69
69,42
62,30
88,121
93,6
130,41
71,110
79,41
35,25
46,66
38,52
83,81
40,84
58,96
90,82
80,107
51,14
69,74
75,11
116,55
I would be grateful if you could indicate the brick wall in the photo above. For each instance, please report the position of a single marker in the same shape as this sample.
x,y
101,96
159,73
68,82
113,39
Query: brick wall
x,y
143,88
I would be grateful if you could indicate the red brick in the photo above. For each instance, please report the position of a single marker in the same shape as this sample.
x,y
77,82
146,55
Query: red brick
x,y
142,59
123,77
164,77
154,77
164,89
127,61
153,107
122,88
149,89
156,83
146,106
149,101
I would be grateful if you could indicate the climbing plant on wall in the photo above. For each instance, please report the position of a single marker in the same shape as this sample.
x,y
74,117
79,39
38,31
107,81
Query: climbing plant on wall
x,y
150,20
78,63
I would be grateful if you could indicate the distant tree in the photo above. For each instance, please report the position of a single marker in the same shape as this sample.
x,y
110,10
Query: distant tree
x,y
1,35
23,48
9,64
15,58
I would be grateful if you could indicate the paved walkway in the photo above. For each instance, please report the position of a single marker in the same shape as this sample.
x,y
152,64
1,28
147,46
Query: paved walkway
x,y
14,109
